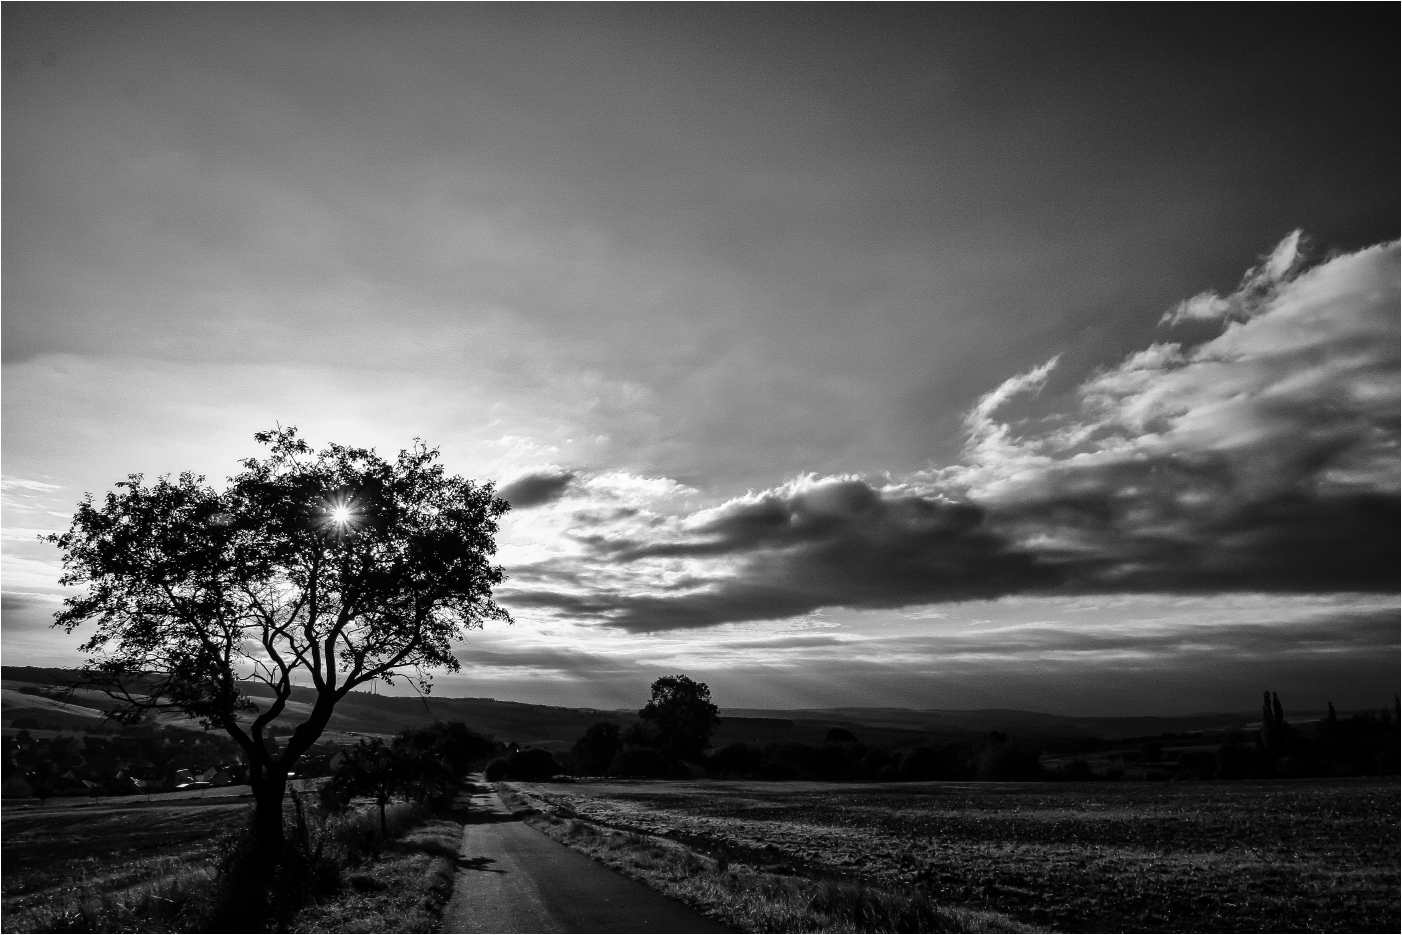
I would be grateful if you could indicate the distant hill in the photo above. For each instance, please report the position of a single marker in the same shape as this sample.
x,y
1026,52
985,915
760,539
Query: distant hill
x,y
24,689
878,722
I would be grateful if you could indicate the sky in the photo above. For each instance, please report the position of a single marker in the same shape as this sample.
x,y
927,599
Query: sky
x,y
933,357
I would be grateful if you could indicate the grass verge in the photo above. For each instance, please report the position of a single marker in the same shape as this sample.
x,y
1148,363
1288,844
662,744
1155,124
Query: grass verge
x,y
405,890
755,900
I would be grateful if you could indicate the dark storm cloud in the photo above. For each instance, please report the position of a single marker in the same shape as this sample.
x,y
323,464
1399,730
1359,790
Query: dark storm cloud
x,y
1153,542
536,489
865,548
810,545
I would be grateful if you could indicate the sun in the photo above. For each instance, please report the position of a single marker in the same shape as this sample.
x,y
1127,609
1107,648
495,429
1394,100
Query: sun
x,y
341,515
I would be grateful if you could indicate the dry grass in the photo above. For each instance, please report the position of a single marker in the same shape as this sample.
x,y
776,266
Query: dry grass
x,y
174,898
139,868
404,891
369,883
754,900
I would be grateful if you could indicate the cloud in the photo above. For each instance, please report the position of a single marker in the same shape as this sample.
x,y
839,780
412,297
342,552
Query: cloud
x,y
1259,283
536,488
814,542
20,483
1264,458
10,600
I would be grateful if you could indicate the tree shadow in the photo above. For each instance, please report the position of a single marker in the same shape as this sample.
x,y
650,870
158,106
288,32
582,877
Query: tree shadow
x,y
463,812
480,864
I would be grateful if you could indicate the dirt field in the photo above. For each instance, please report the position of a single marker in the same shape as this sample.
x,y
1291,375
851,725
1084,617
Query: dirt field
x,y
1246,856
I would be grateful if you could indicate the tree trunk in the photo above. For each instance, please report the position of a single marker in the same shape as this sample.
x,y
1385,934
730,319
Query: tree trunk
x,y
268,791
246,904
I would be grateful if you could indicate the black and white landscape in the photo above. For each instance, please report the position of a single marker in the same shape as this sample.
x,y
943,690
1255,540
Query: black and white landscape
x,y
980,405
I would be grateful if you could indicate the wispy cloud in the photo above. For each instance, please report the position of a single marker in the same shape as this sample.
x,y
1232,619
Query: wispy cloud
x,y
20,483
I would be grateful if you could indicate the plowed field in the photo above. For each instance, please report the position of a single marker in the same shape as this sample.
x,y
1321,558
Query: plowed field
x,y
1276,856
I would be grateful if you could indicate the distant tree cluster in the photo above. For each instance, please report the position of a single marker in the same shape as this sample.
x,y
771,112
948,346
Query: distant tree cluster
x,y
1364,744
843,758
673,730
671,737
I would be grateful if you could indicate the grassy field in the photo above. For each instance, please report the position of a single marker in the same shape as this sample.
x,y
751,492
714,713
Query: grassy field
x,y
138,867
1275,856
53,858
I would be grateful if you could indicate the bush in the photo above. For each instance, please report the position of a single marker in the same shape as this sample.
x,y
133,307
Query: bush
x,y
525,766
496,770
595,750
737,761
926,762
532,765
840,735
641,763
1007,760
1078,770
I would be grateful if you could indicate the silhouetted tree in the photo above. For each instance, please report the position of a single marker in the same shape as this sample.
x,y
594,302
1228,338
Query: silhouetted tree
x,y
683,715
372,767
332,568
1273,727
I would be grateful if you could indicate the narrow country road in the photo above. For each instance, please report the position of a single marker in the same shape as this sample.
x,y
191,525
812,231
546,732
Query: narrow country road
x,y
512,878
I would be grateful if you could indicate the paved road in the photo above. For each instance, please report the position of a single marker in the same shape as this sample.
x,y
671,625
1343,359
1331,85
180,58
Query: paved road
x,y
512,878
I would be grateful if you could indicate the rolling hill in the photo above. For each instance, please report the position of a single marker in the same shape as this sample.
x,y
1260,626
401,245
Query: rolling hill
x,y
25,700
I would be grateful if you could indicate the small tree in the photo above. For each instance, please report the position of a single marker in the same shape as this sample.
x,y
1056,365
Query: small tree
x,y
682,713
1274,730
330,568
372,767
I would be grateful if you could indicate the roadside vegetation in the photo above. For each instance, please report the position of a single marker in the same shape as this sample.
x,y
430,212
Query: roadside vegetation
x,y
404,890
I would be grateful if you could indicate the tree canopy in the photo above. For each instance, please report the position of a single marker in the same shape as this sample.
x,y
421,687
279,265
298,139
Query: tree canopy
x,y
682,714
326,569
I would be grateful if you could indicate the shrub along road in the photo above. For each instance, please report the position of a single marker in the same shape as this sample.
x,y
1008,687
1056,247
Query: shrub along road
x,y
511,878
